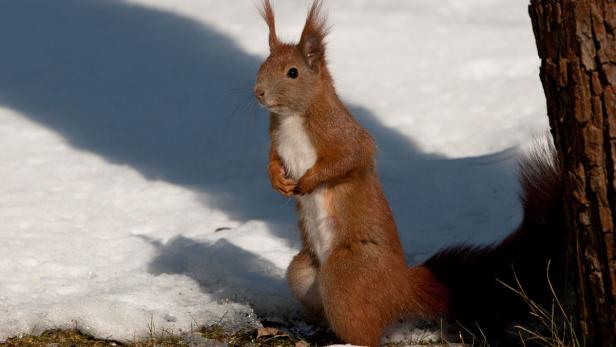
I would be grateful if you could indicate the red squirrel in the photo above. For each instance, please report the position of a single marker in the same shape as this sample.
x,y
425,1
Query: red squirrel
x,y
351,269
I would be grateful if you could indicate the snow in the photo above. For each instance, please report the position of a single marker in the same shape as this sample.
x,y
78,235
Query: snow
x,y
133,156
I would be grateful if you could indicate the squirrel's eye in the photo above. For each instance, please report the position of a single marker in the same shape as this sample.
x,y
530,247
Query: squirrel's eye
x,y
292,73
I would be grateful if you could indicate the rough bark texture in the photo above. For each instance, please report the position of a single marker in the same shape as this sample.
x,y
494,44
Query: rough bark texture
x,y
576,41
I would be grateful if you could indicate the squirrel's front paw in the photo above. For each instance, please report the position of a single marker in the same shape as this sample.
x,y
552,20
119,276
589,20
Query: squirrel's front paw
x,y
306,184
280,182
285,186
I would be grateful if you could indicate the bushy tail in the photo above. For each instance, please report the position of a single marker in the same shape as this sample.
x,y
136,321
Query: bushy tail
x,y
472,275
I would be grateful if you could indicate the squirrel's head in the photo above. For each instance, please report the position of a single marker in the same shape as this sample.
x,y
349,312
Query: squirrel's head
x,y
293,74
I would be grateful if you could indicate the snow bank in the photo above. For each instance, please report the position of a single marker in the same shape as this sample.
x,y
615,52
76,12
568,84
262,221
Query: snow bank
x,y
133,186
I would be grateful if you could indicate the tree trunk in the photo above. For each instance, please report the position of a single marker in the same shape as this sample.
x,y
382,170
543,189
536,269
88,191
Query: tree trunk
x,y
576,41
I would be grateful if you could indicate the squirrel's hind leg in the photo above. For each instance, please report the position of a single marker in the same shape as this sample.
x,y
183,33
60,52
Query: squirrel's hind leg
x,y
302,276
363,290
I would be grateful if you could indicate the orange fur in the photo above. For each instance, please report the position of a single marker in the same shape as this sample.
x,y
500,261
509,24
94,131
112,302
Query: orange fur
x,y
352,269
363,283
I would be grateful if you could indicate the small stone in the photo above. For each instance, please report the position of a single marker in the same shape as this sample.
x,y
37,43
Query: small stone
x,y
196,340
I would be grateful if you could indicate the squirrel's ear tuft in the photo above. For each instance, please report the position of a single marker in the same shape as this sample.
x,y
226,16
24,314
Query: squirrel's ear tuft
x,y
312,42
268,14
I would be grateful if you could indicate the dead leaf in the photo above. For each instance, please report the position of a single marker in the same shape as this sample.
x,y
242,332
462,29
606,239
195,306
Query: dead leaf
x,y
261,332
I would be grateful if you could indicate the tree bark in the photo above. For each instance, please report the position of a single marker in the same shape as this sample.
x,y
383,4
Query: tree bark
x,y
576,41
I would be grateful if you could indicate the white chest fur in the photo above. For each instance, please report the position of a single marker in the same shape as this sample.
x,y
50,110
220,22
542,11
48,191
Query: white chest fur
x,y
298,155
294,146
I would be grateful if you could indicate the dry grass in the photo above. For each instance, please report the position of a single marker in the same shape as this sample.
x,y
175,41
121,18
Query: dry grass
x,y
551,327
57,338
214,335
555,328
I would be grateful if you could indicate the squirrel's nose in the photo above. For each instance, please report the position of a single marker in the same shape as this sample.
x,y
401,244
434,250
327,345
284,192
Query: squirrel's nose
x,y
259,93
